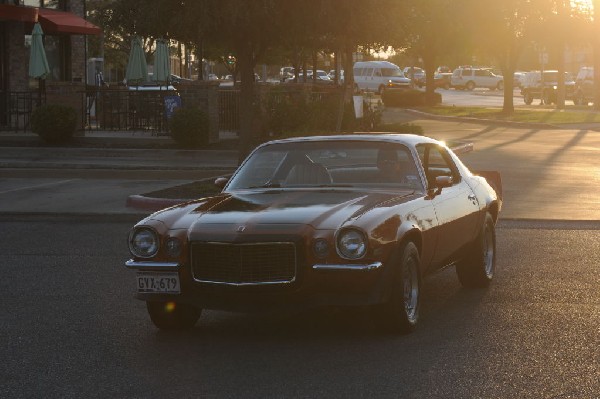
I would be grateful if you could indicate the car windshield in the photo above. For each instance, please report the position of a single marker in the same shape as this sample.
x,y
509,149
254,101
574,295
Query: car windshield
x,y
329,163
392,72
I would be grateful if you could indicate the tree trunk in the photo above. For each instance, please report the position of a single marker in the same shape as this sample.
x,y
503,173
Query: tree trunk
x,y
200,55
508,107
429,61
596,49
248,105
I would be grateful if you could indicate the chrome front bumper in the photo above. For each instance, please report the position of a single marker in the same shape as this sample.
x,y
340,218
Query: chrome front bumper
x,y
363,268
131,264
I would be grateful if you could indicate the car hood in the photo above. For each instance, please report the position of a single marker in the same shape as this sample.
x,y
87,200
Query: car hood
x,y
320,209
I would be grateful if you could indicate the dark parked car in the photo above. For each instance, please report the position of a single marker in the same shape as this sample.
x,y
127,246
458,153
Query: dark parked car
x,y
584,86
545,86
337,220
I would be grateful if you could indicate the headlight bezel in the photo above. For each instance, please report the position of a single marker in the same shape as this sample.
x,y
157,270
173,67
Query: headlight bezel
x,y
342,249
135,250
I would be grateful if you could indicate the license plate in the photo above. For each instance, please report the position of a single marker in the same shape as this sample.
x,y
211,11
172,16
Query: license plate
x,y
164,283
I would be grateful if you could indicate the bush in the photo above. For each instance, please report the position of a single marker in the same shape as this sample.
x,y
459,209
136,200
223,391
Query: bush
x,y
189,127
409,98
54,123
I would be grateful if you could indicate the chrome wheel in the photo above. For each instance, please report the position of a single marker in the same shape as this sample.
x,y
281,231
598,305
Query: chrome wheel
x,y
400,312
477,268
410,279
488,252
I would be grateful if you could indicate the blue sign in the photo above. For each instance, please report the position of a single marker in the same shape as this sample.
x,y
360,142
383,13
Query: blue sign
x,y
171,104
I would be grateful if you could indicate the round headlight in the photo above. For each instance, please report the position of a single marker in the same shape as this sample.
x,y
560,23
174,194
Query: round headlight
x,y
351,244
143,243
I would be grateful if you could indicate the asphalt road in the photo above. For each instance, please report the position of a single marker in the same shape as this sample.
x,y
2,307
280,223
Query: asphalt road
x,y
70,328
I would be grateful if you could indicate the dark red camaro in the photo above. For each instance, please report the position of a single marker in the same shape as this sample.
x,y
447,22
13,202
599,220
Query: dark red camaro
x,y
336,220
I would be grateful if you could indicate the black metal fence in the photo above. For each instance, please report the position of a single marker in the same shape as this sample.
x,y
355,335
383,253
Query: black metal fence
x,y
121,109
124,109
229,110
16,108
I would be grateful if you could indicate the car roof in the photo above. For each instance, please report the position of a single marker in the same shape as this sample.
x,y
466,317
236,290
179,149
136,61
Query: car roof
x,y
381,64
410,140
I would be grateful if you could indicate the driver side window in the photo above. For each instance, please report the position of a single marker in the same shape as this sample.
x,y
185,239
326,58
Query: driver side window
x,y
436,162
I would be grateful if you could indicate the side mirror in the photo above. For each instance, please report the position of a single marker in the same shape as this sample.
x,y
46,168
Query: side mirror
x,y
221,182
443,182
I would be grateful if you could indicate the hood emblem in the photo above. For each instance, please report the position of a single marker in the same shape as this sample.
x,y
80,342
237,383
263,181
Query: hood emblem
x,y
241,229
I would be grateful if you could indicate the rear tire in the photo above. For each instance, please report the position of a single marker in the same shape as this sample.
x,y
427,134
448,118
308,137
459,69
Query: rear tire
x,y
527,98
477,269
173,315
400,314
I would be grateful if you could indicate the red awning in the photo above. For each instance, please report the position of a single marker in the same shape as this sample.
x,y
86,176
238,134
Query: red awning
x,y
54,21
10,12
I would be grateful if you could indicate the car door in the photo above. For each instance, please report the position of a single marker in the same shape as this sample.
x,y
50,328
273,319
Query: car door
x,y
456,207
482,78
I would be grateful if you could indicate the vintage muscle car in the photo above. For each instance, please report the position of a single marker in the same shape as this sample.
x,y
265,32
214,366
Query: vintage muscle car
x,y
338,220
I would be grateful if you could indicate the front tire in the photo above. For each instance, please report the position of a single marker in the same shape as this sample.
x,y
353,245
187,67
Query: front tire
x,y
470,85
477,269
400,314
500,86
527,98
173,315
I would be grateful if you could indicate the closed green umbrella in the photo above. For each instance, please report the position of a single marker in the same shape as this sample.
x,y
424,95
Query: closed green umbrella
x,y
137,70
38,63
162,67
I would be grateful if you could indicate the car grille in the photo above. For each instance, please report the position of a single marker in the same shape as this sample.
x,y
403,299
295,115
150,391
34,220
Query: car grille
x,y
240,264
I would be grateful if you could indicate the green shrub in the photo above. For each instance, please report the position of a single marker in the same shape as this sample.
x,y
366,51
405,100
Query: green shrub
x,y
54,123
189,127
409,98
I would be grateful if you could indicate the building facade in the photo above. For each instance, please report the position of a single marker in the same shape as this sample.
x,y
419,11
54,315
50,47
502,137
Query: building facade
x,y
64,26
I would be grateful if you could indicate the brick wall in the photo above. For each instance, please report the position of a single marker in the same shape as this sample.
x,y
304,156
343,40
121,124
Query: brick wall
x,y
18,57
67,93
78,56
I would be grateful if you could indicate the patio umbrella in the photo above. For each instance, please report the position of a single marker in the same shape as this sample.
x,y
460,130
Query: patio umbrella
x,y
162,67
38,63
137,70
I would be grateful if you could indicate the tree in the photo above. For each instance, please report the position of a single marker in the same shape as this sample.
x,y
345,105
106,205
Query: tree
x,y
502,29
435,29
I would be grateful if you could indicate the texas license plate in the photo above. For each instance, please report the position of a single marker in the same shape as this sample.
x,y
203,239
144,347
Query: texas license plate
x,y
164,283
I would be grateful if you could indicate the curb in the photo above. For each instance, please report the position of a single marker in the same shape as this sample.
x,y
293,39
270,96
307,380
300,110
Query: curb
x,y
140,202
531,125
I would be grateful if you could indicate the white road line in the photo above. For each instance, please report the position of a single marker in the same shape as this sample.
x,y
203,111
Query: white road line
x,y
38,186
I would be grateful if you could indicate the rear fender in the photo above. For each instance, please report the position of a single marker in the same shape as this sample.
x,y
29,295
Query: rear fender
x,y
493,178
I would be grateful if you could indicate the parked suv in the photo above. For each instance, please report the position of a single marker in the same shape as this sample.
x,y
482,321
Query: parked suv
x,y
584,86
546,89
470,78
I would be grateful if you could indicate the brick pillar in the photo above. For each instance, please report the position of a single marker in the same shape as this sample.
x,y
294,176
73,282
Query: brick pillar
x,y
67,93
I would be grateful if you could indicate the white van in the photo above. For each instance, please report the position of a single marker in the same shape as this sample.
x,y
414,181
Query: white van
x,y
378,75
